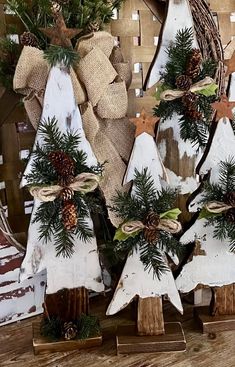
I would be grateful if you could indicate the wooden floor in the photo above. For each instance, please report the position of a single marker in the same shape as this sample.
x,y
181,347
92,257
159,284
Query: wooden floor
x,y
16,347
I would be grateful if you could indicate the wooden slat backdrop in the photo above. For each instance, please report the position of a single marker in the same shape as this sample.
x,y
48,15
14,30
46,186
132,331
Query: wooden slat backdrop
x,y
137,42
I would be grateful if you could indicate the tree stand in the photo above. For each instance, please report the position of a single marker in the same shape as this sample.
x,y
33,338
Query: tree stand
x,y
152,334
68,305
220,315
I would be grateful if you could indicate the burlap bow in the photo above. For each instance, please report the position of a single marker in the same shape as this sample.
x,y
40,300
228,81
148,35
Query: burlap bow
x,y
167,225
217,207
172,94
84,183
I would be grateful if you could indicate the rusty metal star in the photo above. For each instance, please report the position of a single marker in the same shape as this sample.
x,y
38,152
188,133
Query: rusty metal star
x,y
60,35
230,65
223,108
144,123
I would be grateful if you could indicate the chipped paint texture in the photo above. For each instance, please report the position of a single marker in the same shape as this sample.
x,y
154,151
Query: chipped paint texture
x,y
83,268
232,89
216,268
135,279
178,16
17,301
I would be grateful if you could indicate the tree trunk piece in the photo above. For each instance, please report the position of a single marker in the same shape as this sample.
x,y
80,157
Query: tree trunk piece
x,y
67,304
223,300
150,316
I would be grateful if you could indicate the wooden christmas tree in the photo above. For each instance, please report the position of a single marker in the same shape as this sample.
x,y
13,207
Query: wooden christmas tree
x,y
146,272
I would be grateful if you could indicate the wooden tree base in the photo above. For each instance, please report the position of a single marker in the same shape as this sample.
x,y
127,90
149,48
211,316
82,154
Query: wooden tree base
x,y
44,345
129,342
212,324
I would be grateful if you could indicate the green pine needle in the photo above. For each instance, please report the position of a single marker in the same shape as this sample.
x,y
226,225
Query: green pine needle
x,y
59,55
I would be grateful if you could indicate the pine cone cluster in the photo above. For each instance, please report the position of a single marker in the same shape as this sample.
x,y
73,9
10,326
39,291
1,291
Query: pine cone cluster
x,y
194,63
183,82
230,215
151,223
189,101
64,166
28,39
70,331
229,198
69,215
66,193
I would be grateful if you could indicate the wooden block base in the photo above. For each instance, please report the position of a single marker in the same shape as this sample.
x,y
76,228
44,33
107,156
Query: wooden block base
x,y
129,342
212,324
44,345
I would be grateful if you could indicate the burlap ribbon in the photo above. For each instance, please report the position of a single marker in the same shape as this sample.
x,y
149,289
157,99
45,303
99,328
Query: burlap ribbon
x,y
84,183
217,207
167,225
172,94
30,79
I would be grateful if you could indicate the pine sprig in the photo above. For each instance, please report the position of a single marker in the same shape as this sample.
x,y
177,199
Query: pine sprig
x,y
145,198
49,214
60,55
222,228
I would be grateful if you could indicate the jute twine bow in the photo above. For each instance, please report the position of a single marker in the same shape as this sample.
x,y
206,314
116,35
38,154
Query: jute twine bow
x,y
217,207
167,225
171,94
84,183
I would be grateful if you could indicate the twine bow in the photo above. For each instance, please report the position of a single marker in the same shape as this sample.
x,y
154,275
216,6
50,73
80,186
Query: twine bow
x,y
167,225
84,182
172,94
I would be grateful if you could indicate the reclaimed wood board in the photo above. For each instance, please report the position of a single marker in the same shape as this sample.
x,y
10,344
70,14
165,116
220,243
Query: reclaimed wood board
x,y
213,324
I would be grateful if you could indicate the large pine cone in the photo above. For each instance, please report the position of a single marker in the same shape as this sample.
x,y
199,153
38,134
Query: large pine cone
x,y
69,215
151,222
28,39
229,198
70,331
230,215
183,82
194,63
63,164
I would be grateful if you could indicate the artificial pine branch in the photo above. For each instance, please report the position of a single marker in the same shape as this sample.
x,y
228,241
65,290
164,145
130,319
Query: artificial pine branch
x,y
59,55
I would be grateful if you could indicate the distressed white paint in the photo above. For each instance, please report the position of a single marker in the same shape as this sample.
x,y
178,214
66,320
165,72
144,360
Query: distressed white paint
x,y
83,268
179,16
196,204
135,279
222,148
232,89
217,268
185,185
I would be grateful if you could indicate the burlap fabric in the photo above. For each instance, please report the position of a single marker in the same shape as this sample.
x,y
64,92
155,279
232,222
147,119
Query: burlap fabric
x,y
30,79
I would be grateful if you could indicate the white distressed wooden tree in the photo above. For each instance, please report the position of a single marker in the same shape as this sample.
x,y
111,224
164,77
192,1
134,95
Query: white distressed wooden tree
x,y
83,268
135,280
179,157
212,264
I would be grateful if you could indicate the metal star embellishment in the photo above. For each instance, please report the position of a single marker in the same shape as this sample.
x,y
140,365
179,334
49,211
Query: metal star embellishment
x,y
60,35
144,123
223,108
230,65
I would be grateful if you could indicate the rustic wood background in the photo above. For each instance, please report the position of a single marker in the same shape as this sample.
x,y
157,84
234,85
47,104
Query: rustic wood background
x,y
137,31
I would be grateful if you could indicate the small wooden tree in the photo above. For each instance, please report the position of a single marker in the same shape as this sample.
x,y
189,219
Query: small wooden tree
x,y
139,273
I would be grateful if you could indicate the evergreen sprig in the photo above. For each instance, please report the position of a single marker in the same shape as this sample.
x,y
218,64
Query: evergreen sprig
x,y
136,207
49,214
10,52
196,131
87,326
60,55
223,229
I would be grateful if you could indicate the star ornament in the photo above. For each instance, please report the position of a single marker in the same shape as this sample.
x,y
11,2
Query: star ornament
x,y
60,35
144,123
230,65
223,108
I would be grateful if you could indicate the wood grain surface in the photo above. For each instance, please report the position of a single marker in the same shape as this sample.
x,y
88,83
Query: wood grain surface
x,y
16,346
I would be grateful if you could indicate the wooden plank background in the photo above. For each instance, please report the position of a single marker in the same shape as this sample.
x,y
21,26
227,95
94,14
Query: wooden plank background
x,y
137,31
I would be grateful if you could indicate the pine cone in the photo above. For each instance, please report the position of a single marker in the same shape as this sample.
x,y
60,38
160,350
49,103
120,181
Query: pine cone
x,y
189,101
63,164
151,223
70,331
69,215
28,39
93,27
194,63
189,98
193,114
183,82
229,198
66,194
230,215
